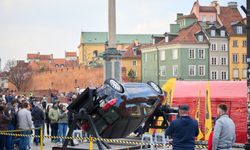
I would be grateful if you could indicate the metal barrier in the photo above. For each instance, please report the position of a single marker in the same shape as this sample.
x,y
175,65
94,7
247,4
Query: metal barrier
x,y
90,139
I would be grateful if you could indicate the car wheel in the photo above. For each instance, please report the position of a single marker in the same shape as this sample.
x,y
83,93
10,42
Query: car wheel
x,y
114,84
155,87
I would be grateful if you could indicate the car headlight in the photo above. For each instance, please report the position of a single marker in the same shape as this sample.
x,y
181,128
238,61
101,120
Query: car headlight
x,y
115,85
155,87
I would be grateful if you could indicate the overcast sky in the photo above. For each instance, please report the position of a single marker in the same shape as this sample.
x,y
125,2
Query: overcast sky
x,y
54,26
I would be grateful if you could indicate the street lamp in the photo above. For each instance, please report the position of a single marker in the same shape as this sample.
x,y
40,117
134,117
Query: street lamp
x,y
247,11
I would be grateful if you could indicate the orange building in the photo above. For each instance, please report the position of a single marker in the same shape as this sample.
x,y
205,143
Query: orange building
x,y
131,63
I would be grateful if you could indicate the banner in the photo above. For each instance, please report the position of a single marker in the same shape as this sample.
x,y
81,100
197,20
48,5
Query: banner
x,y
208,113
197,117
168,87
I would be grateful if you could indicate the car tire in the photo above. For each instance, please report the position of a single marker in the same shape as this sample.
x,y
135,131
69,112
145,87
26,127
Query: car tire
x,y
114,84
155,87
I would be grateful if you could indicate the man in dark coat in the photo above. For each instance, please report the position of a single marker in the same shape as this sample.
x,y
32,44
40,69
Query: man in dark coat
x,y
38,117
183,130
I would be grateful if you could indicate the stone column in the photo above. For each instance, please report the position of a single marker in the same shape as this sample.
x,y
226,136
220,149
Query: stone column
x,y
111,24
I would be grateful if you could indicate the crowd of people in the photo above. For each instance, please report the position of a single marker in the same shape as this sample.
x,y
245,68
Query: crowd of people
x,y
26,113
29,114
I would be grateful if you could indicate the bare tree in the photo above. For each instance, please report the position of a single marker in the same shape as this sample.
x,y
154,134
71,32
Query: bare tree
x,y
20,74
9,64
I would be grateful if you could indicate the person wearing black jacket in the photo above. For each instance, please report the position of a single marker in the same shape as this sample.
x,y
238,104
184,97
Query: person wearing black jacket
x,y
183,130
70,125
12,111
5,119
47,120
38,119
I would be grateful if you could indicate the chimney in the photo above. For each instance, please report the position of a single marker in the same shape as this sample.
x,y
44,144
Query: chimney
x,y
166,37
179,15
232,4
214,3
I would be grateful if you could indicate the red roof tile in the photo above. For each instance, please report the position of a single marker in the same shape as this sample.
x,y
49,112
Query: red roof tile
x,y
45,57
130,53
229,15
32,56
59,61
70,54
187,35
38,56
207,9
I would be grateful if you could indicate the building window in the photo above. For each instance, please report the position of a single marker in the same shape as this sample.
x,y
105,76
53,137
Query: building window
x,y
244,73
163,71
212,32
235,58
224,61
213,47
135,73
134,62
95,53
200,38
175,54
235,73
146,57
239,29
235,43
244,43
223,47
201,54
201,70
212,19
192,70
244,58
191,54
213,61
162,56
222,33
175,71
214,75
203,18
223,75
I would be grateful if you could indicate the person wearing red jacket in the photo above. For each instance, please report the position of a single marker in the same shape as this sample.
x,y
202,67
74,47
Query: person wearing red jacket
x,y
210,141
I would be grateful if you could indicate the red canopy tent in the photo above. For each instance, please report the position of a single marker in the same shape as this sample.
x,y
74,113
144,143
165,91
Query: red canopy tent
x,y
231,93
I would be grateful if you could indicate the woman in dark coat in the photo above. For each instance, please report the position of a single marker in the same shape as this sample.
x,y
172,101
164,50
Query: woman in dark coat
x,y
5,119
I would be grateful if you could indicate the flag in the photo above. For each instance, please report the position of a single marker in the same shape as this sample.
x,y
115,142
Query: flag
x,y
208,113
168,87
197,117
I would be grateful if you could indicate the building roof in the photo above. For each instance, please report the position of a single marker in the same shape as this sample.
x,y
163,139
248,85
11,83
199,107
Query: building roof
x,y
187,35
229,15
132,51
190,16
102,37
59,61
32,56
207,9
39,56
70,54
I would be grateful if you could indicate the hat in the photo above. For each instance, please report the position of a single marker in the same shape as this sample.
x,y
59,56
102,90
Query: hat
x,y
184,107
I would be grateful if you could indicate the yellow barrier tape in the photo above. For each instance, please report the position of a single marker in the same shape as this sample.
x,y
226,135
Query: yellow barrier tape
x,y
115,141
21,130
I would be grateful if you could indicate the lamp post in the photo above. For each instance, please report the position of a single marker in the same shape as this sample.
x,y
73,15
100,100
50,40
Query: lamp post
x,y
112,65
247,11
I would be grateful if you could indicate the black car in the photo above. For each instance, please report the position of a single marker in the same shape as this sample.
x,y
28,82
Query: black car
x,y
116,109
